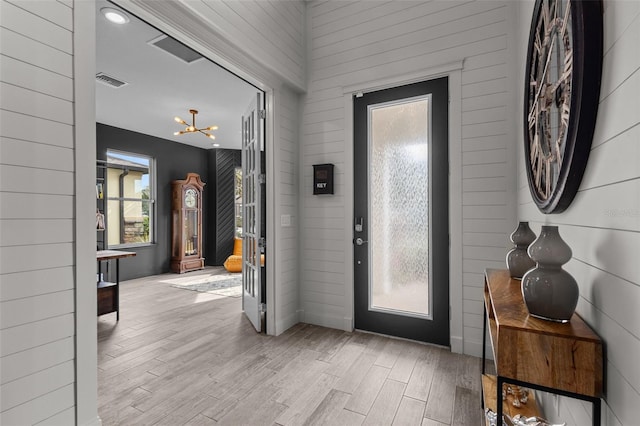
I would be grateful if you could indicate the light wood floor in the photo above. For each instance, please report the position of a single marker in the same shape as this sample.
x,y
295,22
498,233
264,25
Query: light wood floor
x,y
179,357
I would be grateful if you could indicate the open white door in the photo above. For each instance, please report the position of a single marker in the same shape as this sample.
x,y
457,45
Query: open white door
x,y
252,142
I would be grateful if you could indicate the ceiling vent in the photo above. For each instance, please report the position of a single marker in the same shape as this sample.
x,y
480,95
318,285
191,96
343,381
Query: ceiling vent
x,y
110,81
175,48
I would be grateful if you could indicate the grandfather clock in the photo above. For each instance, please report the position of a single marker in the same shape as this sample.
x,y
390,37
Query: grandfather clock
x,y
186,229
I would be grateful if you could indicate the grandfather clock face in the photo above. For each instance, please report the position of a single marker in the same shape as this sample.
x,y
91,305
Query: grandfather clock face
x,y
190,198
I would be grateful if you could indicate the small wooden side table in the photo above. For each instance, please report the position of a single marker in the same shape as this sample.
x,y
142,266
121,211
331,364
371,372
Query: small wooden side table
x,y
109,292
565,359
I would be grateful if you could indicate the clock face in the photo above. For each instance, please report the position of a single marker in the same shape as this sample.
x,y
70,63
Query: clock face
x,y
190,198
562,86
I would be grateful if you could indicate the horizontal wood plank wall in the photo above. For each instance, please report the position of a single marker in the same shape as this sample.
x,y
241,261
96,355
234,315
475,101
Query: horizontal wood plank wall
x,y
36,214
271,32
602,226
286,175
354,42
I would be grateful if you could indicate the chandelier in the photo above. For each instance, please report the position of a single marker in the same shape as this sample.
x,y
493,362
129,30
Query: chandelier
x,y
191,128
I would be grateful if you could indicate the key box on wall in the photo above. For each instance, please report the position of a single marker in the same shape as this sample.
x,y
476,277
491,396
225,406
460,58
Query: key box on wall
x,y
322,179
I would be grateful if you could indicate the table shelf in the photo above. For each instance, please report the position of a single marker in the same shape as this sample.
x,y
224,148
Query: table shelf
x,y
108,293
490,389
103,284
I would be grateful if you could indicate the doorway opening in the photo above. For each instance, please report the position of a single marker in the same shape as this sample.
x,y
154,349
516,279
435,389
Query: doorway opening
x,y
146,78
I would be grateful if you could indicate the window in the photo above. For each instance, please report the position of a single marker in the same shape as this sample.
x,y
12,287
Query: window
x,y
130,199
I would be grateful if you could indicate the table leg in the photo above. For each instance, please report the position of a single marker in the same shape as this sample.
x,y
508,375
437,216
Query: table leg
x,y
597,413
117,290
484,336
499,412
484,349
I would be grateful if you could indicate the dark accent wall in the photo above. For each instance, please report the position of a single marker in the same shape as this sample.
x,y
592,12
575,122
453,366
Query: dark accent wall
x,y
173,161
222,165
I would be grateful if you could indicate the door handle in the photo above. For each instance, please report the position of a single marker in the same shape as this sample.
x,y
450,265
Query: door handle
x,y
359,241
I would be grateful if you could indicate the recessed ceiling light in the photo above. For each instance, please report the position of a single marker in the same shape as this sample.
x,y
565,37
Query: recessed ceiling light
x,y
215,145
114,15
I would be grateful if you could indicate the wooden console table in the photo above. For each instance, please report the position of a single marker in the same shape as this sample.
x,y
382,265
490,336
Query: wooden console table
x,y
565,359
108,292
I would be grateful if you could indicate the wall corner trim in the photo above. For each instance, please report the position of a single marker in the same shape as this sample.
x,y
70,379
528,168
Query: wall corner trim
x,y
94,422
457,344
348,324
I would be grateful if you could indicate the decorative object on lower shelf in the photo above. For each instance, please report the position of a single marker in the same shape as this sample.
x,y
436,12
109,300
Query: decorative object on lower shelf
x,y
491,416
518,260
517,420
520,394
550,292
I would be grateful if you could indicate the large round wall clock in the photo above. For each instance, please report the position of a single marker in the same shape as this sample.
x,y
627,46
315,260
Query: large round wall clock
x,y
562,89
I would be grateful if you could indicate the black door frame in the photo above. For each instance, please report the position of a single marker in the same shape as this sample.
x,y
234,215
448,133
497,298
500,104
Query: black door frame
x,y
436,330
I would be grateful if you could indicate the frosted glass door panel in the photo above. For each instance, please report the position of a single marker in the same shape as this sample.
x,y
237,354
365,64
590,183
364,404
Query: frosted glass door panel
x,y
399,207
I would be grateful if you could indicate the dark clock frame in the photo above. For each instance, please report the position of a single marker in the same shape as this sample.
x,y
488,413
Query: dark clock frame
x,y
587,40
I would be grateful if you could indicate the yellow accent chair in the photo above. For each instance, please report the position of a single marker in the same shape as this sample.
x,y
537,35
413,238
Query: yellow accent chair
x,y
234,262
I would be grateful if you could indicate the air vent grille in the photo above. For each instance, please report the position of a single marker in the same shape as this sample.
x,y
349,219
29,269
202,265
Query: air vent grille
x,y
110,81
175,48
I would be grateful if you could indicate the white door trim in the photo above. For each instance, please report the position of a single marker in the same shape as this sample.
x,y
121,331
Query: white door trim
x,y
86,355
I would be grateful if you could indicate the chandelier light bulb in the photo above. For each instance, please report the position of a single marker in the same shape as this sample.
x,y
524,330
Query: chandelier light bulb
x,y
191,128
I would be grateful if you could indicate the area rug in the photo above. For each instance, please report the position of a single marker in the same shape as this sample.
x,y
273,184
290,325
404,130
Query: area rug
x,y
229,285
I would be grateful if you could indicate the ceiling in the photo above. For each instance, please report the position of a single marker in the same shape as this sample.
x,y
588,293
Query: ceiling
x,y
161,86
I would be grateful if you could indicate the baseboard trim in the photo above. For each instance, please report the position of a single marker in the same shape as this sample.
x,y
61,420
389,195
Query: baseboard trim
x,y
457,344
474,348
94,422
286,323
348,324
326,321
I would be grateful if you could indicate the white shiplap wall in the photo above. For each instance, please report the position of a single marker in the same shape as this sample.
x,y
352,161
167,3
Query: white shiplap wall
x,y
602,226
270,31
36,213
286,209
372,41
37,194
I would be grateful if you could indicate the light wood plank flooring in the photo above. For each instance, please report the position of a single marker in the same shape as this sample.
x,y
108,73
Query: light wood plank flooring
x,y
179,357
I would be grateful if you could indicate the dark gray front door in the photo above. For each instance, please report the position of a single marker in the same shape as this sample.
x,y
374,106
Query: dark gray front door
x,y
401,228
